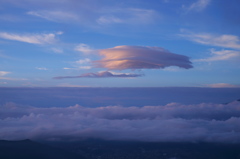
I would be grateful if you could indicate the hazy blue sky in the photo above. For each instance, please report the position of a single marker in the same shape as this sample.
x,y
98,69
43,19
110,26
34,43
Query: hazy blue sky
x,y
110,43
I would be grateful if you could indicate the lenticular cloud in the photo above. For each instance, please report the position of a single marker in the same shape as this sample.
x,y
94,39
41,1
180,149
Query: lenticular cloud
x,y
172,122
103,74
139,57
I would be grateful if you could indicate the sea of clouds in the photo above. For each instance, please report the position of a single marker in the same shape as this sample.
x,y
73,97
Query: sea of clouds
x,y
172,122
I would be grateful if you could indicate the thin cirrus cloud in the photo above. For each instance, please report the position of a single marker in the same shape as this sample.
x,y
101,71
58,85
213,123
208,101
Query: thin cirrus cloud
x,y
171,122
103,74
103,15
55,16
140,57
199,5
31,38
128,15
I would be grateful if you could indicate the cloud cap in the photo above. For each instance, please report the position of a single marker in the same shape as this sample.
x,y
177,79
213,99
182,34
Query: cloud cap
x,y
140,57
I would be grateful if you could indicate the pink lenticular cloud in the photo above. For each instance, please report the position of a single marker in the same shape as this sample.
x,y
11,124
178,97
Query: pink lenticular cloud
x,y
140,57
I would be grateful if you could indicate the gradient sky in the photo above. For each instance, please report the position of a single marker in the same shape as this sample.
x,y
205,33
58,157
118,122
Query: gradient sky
x,y
109,43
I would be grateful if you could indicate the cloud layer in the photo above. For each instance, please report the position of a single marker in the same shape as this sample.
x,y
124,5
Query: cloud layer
x,y
139,57
172,122
102,74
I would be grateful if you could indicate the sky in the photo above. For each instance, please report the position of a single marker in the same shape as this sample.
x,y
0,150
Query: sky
x,y
107,43
156,70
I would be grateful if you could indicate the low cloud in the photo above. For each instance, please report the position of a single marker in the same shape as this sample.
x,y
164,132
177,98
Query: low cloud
x,y
172,122
225,41
103,74
140,57
31,38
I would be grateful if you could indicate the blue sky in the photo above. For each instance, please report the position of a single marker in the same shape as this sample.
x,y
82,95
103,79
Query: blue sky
x,y
107,43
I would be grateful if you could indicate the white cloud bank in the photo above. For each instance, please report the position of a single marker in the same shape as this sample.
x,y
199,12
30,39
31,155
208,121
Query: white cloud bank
x,y
172,122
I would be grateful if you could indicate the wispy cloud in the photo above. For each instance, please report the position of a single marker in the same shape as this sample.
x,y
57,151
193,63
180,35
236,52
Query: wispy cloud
x,y
226,41
222,85
199,5
83,61
3,73
41,68
3,77
140,57
128,16
103,74
80,65
31,38
56,16
220,55
78,68
84,48
57,50
84,13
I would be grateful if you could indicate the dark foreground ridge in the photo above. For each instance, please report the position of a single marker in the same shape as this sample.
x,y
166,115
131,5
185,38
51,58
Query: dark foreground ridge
x,y
102,149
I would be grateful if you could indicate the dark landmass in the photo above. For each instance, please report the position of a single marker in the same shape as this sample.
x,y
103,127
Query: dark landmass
x,y
102,149
27,149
